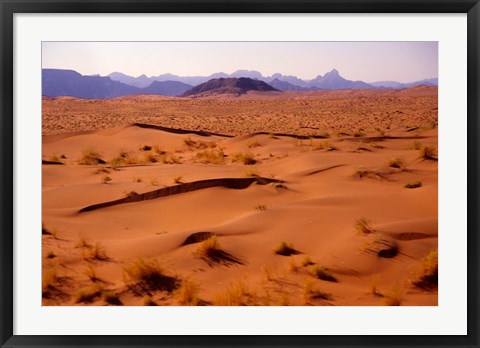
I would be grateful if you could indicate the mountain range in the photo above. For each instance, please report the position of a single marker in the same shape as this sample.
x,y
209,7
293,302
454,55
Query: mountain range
x,y
57,82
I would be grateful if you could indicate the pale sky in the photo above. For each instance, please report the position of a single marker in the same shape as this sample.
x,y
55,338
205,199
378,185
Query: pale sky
x,y
366,61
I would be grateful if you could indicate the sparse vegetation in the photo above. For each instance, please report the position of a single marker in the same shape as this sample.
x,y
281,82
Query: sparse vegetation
x,y
89,294
323,274
246,158
397,162
236,294
91,157
187,293
412,185
307,261
394,297
363,226
215,156
260,207
106,179
285,249
311,293
428,153
427,278
92,274
96,253
145,275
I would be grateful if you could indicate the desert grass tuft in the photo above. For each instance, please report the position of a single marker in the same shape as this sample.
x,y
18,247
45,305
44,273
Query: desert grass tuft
x,y
260,207
428,153
187,293
394,297
213,156
88,294
144,275
427,278
323,274
307,261
106,179
91,157
236,294
92,275
96,253
310,292
363,226
246,158
285,249
397,162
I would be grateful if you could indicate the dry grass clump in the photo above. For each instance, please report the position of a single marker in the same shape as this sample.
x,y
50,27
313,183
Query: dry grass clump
x,y
412,185
169,159
427,278
246,158
187,293
95,253
91,157
307,261
260,207
285,249
428,153
145,148
323,273
311,293
236,294
363,226
199,144
106,179
84,242
394,297
150,156
324,145
92,275
89,294
215,156
368,173
208,247
50,281
145,275
397,162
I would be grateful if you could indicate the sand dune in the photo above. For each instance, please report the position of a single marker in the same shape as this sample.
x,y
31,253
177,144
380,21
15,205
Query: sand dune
x,y
212,208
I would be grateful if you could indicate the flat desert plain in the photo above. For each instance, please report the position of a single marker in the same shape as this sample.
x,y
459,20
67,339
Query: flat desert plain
x,y
294,198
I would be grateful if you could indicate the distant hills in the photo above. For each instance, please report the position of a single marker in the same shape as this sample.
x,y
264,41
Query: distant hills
x,y
57,82
331,80
229,85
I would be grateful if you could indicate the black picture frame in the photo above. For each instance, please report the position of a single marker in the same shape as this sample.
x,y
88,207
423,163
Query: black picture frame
x,y
9,7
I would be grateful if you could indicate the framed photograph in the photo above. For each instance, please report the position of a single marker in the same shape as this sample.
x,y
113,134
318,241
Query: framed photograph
x,y
239,174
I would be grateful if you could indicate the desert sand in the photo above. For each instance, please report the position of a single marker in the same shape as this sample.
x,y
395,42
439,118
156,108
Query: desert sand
x,y
264,199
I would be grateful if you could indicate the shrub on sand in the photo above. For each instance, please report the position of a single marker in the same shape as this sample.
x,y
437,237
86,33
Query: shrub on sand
x,y
187,293
427,278
323,274
285,249
91,157
428,153
144,275
363,226
246,158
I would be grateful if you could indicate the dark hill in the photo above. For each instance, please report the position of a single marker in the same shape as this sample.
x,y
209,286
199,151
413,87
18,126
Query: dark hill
x,y
230,86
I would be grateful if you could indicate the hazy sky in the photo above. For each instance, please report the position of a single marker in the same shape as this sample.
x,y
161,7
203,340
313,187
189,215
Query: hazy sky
x,y
366,61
